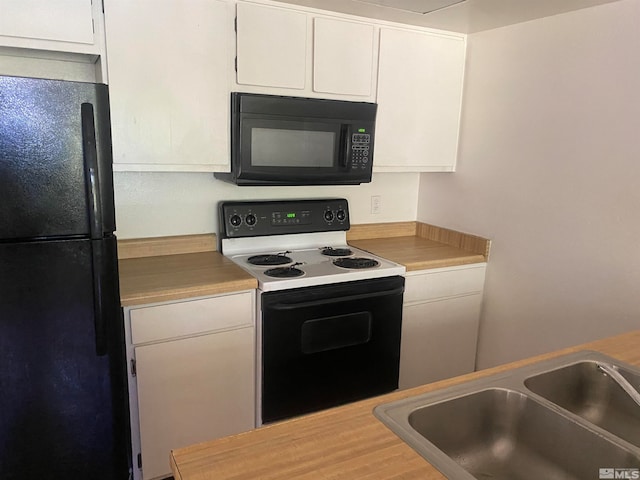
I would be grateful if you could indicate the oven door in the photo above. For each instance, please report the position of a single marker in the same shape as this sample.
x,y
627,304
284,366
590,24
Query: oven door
x,y
328,345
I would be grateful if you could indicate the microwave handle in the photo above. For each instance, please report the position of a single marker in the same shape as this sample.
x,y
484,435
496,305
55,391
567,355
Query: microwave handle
x,y
345,143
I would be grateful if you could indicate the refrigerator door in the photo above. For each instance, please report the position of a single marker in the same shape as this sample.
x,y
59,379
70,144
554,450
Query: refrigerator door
x,y
50,133
63,407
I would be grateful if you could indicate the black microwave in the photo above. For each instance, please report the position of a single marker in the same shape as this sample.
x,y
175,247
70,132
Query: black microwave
x,y
277,140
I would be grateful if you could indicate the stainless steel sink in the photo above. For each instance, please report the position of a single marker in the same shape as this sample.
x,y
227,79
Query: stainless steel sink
x,y
550,420
583,389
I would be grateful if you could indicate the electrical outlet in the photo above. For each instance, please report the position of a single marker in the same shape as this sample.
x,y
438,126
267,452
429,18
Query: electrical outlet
x,y
376,204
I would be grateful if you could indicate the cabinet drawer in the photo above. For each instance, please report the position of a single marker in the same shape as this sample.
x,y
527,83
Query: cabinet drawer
x,y
163,322
441,283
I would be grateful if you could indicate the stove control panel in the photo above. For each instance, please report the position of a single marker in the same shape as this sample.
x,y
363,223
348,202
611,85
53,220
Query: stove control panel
x,y
252,219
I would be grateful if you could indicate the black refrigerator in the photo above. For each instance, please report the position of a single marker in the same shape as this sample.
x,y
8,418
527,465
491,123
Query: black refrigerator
x,y
63,390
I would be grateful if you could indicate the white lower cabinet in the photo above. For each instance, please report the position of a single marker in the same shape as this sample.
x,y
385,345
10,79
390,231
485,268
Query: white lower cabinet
x,y
440,323
192,375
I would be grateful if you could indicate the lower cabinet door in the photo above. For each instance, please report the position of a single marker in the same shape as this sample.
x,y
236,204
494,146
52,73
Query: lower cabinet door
x,y
191,390
439,339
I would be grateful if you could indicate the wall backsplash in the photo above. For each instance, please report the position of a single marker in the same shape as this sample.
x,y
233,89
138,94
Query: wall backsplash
x,y
163,204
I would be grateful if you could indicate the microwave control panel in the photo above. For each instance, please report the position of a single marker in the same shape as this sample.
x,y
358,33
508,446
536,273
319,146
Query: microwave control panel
x,y
360,148
251,219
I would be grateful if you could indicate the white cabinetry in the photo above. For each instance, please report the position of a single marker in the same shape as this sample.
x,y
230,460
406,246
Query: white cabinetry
x,y
271,46
169,84
342,57
59,25
440,323
285,51
194,366
58,39
69,21
420,81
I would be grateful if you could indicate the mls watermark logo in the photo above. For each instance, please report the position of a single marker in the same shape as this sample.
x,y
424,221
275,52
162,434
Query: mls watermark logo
x,y
623,473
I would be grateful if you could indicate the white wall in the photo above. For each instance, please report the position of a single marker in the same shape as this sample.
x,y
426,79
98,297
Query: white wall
x,y
161,204
549,169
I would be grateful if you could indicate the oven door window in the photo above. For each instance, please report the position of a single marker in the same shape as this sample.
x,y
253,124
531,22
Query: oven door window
x,y
328,345
290,148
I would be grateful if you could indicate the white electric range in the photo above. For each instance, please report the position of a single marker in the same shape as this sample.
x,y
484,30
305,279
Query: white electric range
x,y
329,316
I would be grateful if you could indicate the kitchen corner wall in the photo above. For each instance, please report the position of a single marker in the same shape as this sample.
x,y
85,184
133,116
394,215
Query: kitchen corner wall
x,y
164,204
549,169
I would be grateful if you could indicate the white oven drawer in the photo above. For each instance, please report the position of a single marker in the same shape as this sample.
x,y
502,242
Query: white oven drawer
x,y
444,282
181,319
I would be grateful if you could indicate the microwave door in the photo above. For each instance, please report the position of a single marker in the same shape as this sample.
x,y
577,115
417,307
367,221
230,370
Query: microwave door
x,y
291,150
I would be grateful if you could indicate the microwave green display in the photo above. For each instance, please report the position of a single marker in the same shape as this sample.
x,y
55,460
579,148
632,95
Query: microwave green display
x,y
362,130
291,215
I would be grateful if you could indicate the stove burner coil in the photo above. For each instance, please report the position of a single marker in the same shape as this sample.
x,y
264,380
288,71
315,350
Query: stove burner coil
x,y
284,272
269,260
356,262
336,252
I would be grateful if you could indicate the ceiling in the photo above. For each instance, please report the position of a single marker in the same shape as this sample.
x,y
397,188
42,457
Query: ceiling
x,y
463,16
415,6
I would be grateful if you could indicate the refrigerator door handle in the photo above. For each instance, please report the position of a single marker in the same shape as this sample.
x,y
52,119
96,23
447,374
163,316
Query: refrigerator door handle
x,y
90,154
99,287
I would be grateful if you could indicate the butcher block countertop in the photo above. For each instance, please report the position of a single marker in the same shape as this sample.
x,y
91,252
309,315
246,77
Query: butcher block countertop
x,y
173,268
419,246
346,442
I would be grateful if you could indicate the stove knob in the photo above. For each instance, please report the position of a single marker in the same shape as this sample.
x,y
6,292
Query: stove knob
x,y
341,215
235,220
250,219
328,215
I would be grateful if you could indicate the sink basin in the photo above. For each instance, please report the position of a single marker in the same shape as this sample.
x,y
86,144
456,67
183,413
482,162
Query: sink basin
x,y
504,434
586,391
556,419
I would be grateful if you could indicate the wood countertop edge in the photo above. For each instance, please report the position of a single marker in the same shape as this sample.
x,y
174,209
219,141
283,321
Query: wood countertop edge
x,y
447,262
292,437
174,294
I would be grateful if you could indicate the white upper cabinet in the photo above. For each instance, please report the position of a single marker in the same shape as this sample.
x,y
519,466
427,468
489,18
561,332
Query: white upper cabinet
x,y
271,46
169,83
300,52
420,81
342,57
58,20
57,39
56,25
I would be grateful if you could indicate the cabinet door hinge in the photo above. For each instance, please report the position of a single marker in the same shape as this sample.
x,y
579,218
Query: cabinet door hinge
x,y
235,24
133,367
235,64
139,460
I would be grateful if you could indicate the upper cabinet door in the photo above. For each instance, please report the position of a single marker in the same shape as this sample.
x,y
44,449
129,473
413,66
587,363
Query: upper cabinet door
x,y
420,84
169,84
58,20
271,46
342,57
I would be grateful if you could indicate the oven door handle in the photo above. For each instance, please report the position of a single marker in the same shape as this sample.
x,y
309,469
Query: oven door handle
x,y
326,301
